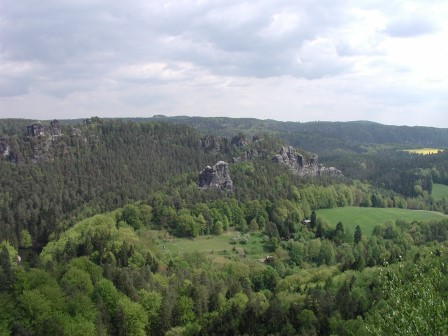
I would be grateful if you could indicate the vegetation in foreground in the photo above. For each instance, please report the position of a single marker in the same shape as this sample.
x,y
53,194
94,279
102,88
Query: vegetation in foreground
x,y
103,277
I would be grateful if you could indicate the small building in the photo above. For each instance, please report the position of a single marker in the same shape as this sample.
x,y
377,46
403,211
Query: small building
x,y
266,259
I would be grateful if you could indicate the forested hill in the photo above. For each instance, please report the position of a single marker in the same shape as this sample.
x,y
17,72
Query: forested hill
x,y
52,178
320,136
54,173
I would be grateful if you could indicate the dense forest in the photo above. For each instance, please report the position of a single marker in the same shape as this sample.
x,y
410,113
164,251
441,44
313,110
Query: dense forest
x,y
319,136
89,210
49,180
361,149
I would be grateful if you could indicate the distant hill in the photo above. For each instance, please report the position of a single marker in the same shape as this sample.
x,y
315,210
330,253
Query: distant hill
x,y
319,136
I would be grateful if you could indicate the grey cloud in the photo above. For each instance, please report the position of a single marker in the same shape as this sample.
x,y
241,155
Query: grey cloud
x,y
11,88
224,36
188,56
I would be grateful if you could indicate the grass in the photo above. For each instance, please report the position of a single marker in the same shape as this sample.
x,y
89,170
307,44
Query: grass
x,y
368,218
424,151
439,191
216,247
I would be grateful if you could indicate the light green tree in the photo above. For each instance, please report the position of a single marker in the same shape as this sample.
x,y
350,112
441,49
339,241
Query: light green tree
x,y
132,317
414,303
25,239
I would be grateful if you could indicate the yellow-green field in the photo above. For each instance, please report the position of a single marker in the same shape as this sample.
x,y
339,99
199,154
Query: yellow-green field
x,y
424,151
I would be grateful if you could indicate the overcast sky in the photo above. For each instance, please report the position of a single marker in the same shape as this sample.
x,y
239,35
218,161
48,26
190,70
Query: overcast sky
x,y
297,60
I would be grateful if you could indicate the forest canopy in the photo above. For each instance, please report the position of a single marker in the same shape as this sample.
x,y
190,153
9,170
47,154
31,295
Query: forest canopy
x,y
105,231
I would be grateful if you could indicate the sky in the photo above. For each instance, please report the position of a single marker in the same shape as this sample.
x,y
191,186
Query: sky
x,y
291,60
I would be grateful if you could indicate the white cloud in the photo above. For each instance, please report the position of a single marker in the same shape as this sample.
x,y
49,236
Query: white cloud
x,y
282,24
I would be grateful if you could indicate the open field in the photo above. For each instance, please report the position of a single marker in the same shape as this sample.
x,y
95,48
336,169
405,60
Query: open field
x,y
368,218
220,248
439,191
217,247
424,151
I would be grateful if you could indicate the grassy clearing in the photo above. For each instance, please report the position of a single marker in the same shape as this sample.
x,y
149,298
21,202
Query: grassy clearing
x,y
216,247
368,218
439,191
424,151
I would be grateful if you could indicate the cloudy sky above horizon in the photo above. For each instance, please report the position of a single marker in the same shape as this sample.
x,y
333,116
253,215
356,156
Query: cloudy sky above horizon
x,y
292,60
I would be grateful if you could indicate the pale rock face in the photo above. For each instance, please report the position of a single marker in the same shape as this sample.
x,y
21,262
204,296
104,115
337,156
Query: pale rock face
x,y
216,176
55,128
35,129
4,147
290,157
214,144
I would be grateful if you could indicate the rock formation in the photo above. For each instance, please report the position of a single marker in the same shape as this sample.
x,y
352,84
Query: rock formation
x,y
216,176
218,144
290,157
4,146
35,129
247,155
214,144
75,132
55,129
239,140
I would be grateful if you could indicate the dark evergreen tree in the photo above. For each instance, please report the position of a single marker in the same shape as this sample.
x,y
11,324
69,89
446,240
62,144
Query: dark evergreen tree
x,y
313,219
358,235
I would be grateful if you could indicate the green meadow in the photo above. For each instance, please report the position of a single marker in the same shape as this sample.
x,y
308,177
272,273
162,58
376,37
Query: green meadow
x,y
217,247
220,248
368,218
439,191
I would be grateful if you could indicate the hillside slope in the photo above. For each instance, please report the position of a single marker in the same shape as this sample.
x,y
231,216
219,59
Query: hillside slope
x,y
50,180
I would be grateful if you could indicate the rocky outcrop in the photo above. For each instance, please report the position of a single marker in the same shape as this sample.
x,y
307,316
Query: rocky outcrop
x,y
303,167
214,144
218,144
247,155
35,129
253,151
55,129
216,176
75,132
4,147
239,140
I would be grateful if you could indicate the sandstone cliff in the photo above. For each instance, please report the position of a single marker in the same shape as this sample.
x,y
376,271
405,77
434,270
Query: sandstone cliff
x,y
290,157
216,176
